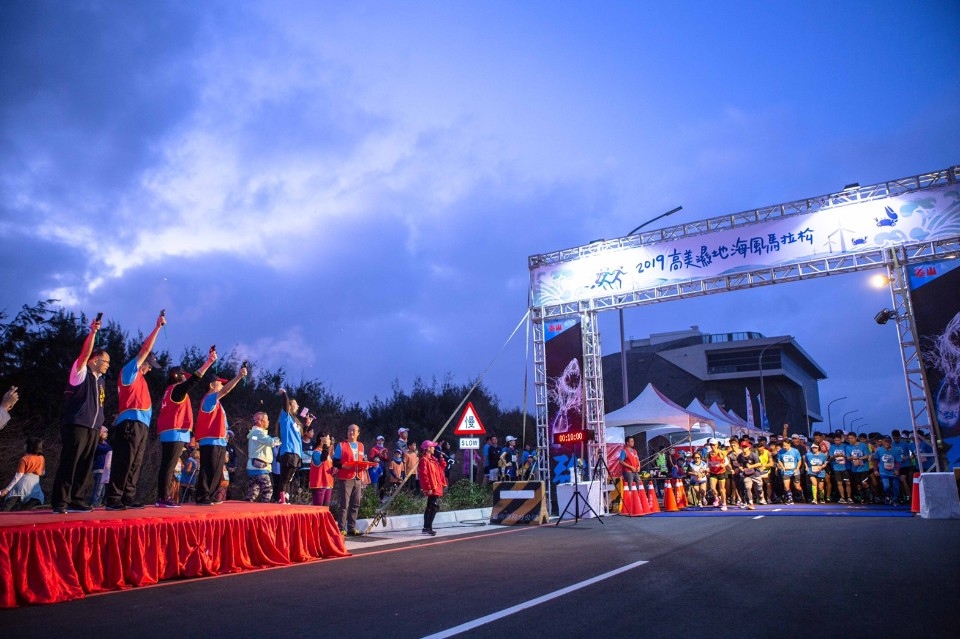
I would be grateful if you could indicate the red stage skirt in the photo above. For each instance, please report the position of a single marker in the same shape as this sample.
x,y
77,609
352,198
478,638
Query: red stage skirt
x,y
47,558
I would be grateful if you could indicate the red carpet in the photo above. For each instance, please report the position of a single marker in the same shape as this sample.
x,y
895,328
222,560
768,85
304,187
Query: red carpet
x,y
47,558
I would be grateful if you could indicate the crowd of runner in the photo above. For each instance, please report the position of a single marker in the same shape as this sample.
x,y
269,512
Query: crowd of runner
x,y
844,468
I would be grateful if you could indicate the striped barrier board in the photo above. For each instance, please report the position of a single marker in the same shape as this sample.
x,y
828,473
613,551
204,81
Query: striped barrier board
x,y
519,503
615,494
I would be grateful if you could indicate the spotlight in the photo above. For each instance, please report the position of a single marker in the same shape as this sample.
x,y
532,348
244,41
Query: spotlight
x,y
884,316
852,186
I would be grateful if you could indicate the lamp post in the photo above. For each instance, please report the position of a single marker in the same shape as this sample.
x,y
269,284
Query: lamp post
x,y
829,404
763,395
854,421
851,412
623,342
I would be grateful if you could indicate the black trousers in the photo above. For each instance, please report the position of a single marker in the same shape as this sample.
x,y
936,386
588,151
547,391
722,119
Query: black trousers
x,y
72,483
169,454
128,439
289,464
433,507
212,459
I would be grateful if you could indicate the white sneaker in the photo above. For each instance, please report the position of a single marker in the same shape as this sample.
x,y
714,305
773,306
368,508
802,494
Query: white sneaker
x,y
724,507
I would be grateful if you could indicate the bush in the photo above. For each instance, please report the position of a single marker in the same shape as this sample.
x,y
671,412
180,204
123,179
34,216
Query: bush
x,y
466,495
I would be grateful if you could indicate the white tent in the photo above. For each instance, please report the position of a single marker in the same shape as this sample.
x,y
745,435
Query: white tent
x,y
653,414
721,422
652,409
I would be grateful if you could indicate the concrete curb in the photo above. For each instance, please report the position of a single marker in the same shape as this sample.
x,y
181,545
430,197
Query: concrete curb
x,y
407,522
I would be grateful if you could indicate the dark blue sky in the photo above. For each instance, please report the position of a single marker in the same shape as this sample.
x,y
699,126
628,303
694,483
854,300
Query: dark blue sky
x,y
351,191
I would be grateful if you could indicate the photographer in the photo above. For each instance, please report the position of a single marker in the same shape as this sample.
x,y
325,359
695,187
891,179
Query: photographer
x,y
445,456
9,399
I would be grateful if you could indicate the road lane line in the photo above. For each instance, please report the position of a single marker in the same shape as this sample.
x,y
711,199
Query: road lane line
x,y
759,516
506,612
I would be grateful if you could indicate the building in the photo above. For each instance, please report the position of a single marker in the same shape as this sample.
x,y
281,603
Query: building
x,y
690,364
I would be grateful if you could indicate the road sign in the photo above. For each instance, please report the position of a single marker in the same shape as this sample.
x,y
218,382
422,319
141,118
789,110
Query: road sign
x,y
469,443
469,423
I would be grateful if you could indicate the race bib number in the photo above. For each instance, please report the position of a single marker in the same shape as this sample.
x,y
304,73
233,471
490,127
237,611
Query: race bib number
x,y
888,462
789,463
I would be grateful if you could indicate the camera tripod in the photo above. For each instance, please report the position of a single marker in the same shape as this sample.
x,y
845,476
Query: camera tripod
x,y
576,499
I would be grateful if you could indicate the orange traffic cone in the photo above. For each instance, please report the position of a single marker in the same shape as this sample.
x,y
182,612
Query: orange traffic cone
x,y
652,498
681,495
915,495
669,498
626,502
643,508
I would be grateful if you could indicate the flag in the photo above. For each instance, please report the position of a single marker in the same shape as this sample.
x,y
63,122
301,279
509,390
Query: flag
x,y
750,420
764,424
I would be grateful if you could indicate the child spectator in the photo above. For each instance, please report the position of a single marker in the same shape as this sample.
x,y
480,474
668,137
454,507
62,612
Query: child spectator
x,y
395,472
189,472
321,472
23,491
101,468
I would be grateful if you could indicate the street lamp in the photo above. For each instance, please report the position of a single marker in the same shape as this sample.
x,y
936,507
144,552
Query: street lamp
x,y
851,412
829,404
763,395
854,421
623,342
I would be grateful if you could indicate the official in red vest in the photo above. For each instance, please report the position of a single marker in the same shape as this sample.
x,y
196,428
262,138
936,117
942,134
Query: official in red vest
x,y
350,479
211,435
175,426
128,435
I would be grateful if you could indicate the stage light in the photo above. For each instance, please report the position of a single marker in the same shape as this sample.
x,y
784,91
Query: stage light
x,y
879,281
885,316
852,186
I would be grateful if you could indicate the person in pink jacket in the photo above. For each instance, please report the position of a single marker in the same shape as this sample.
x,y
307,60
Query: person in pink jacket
x,y
430,471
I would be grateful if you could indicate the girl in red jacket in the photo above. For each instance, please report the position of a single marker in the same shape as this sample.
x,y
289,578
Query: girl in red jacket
x,y
430,471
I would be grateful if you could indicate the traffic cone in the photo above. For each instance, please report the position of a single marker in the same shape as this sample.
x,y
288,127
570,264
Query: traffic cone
x,y
635,510
652,498
643,507
681,495
915,495
669,498
626,501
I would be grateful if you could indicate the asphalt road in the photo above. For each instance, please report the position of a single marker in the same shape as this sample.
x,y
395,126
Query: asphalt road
x,y
647,577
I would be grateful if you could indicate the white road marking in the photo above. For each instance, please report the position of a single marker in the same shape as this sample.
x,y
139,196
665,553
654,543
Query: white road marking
x,y
470,625
759,516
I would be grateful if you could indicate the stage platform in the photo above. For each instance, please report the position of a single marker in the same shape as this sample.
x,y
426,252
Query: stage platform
x,y
47,558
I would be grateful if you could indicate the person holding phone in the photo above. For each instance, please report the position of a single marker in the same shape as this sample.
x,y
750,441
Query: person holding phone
x,y
6,404
128,435
80,428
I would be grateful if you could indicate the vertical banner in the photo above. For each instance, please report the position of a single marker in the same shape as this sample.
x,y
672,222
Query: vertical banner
x,y
764,422
563,352
751,422
935,292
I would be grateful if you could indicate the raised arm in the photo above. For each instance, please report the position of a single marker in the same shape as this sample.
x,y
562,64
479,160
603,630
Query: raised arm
x,y
87,347
229,386
151,340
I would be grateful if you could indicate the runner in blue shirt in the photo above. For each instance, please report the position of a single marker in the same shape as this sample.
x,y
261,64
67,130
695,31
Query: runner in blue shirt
x,y
889,459
816,471
790,462
840,469
858,459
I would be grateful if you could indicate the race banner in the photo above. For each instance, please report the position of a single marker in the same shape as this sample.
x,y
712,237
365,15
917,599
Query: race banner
x,y
935,293
563,352
919,216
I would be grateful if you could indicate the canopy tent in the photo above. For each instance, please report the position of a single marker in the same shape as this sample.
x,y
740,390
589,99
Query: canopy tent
x,y
652,408
652,414
721,421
